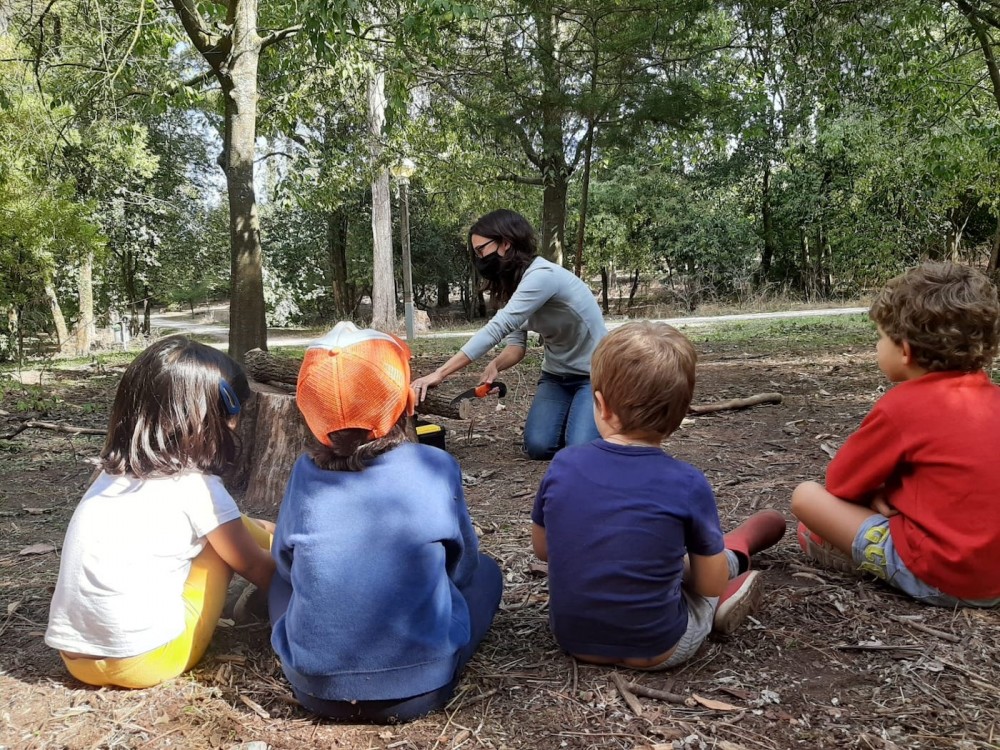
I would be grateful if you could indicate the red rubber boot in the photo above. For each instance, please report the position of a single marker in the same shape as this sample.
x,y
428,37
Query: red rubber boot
x,y
762,530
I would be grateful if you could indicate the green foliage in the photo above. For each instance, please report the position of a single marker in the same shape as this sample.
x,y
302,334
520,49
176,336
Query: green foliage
x,y
814,147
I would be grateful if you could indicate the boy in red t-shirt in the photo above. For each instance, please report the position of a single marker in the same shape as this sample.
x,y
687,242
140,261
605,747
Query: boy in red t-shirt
x,y
913,496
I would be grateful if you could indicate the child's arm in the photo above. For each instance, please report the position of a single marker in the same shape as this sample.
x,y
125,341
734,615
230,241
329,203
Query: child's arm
x,y
538,542
237,548
709,574
868,458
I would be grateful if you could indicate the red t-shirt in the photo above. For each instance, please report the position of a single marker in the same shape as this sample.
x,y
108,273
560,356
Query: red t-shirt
x,y
934,444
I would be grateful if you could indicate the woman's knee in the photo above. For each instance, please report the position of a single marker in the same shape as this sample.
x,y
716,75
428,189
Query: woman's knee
x,y
539,447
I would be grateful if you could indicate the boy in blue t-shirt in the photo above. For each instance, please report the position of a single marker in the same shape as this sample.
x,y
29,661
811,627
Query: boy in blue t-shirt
x,y
639,570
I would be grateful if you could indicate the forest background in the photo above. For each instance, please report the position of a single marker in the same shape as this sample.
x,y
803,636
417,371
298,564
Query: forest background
x,y
158,152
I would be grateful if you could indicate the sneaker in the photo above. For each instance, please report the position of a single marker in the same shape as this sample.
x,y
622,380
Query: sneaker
x,y
819,550
740,598
252,605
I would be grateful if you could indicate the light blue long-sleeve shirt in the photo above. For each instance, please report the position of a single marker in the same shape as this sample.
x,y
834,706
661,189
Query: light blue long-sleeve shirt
x,y
559,307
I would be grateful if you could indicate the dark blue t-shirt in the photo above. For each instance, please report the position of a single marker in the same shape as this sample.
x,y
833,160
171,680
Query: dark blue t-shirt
x,y
618,521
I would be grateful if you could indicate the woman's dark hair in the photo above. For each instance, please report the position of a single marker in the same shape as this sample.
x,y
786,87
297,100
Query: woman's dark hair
x,y
173,411
504,225
353,449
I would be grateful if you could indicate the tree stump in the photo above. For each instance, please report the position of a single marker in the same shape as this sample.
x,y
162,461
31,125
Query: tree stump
x,y
272,435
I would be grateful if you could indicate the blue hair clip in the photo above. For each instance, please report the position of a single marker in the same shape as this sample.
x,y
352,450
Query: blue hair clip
x,y
230,401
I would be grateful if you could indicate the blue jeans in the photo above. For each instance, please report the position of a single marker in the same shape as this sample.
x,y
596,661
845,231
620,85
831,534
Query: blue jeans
x,y
874,552
483,597
561,414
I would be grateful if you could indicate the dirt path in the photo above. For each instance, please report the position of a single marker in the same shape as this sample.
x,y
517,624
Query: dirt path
x,y
828,662
211,325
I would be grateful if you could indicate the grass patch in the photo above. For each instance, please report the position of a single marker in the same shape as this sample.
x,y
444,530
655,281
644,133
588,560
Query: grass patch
x,y
801,333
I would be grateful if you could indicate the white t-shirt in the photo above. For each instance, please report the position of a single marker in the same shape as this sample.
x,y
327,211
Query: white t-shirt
x,y
126,556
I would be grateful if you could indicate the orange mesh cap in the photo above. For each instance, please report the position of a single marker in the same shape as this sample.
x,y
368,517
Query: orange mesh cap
x,y
354,378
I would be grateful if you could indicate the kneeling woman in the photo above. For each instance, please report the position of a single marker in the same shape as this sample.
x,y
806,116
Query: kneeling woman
x,y
534,294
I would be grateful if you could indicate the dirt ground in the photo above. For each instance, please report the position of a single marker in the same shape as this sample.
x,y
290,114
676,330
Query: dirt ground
x,y
828,661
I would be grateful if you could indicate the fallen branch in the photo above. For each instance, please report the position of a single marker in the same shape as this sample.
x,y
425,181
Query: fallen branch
x,y
660,695
950,637
72,430
736,403
623,688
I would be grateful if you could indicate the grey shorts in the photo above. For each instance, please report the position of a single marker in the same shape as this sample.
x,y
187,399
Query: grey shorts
x,y
874,552
701,616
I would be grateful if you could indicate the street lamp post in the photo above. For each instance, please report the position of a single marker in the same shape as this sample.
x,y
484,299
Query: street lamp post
x,y
403,171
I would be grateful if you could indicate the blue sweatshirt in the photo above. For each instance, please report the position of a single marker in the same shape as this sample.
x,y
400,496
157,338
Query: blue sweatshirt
x,y
370,565
559,307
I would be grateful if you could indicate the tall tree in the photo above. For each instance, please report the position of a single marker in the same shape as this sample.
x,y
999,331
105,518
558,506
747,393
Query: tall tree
x,y
537,76
231,45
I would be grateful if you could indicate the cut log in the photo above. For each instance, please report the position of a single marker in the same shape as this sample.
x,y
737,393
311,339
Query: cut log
x,y
264,367
736,403
440,404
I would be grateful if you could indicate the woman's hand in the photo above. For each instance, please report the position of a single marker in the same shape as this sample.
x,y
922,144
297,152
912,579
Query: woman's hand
x,y
420,386
490,373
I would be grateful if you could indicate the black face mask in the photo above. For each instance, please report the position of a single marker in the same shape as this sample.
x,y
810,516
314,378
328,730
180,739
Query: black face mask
x,y
488,267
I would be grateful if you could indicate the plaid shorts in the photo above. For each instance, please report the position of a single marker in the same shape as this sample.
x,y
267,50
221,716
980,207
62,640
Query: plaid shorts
x,y
875,553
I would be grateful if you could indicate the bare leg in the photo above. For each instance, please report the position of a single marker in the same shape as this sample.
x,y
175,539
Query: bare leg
x,y
836,520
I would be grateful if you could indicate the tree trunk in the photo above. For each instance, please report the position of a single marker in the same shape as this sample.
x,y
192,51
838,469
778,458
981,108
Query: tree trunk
x,y
383,287
247,321
992,266
985,43
85,324
633,288
804,261
232,49
604,289
443,293
555,172
62,332
554,218
336,234
584,197
767,221
953,240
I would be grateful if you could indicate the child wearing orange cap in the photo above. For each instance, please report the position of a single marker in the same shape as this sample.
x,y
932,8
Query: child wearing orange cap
x,y
380,596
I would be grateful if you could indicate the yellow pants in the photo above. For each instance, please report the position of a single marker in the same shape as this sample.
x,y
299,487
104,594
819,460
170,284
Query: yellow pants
x,y
204,597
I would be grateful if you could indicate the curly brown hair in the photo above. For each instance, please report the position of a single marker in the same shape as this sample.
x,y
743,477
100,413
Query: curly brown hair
x,y
948,314
645,372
